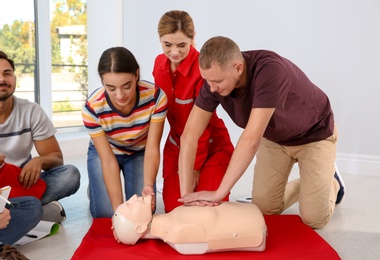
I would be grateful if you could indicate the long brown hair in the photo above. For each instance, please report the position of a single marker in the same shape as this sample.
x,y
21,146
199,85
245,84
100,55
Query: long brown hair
x,y
118,60
176,20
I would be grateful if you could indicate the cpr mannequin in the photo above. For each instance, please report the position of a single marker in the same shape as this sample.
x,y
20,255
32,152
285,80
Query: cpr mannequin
x,y
231,226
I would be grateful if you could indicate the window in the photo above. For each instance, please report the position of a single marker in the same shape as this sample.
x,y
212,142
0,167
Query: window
x,y
69,61
17,39
68,20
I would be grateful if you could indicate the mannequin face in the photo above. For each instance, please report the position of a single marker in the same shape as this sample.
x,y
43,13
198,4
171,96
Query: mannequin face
x,y
137,209
131,219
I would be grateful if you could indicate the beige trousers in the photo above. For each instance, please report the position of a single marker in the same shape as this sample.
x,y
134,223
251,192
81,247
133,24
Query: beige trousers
x,y
315,190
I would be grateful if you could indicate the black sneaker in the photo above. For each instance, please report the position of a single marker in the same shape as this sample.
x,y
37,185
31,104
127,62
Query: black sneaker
x,y
8,252
342,189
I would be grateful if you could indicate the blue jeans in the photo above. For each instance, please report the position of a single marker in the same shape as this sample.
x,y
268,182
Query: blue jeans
x,y
25,215
132,167
61,181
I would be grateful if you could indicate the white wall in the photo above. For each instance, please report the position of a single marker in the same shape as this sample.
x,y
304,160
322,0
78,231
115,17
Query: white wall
x,y
334,42
104,30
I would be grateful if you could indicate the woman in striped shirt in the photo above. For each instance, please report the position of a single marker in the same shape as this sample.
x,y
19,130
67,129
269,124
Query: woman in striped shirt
x,y
120,116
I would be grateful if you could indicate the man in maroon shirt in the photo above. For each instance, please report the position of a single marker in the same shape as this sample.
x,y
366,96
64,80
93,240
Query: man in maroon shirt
x,y
286,120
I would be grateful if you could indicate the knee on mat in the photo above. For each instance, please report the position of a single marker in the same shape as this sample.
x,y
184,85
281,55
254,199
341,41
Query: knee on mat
x,y
316,223
266,210
99,212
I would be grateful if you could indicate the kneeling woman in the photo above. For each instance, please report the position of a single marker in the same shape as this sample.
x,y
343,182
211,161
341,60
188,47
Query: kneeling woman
x,y
125,119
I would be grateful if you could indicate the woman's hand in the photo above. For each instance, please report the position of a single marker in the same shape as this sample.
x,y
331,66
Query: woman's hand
x,y
148,190
114,234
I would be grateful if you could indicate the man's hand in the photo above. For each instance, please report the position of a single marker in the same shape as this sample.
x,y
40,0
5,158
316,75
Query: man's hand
x,y
5,216
148,190
200,198
31,172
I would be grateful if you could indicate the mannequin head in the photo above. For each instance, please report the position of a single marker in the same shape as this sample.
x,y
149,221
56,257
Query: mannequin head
x,y
131,219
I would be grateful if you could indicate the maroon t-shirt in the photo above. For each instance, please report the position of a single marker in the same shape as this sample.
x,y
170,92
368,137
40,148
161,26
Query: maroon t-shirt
x,y
302,111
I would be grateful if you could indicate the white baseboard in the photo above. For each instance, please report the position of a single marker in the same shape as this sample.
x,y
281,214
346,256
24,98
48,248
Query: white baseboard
x,y
359,164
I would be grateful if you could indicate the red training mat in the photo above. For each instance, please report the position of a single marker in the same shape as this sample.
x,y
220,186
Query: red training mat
x,y
288,238
9,175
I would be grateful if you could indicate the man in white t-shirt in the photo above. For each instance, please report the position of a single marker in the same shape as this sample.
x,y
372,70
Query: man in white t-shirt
x,y
24,124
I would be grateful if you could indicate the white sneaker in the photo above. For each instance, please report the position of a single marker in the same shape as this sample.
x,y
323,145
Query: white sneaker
x,y
54,212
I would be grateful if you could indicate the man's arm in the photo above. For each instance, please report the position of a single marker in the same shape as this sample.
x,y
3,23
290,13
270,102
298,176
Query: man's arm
x,y
195,125
242,156
49,156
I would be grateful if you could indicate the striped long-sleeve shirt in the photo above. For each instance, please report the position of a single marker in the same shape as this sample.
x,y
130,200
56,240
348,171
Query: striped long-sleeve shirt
x,y
126,134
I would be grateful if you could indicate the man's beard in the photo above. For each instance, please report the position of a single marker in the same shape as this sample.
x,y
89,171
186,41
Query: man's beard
x,y
6,95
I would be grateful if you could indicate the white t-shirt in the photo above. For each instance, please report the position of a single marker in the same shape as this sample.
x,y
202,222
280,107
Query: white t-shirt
x,y
26,123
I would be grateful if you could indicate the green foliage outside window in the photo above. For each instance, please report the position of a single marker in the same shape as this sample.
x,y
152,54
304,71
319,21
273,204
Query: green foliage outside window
x,y
18,41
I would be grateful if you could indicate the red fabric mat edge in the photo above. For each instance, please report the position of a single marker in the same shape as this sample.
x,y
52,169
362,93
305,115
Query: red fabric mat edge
x,y
288,238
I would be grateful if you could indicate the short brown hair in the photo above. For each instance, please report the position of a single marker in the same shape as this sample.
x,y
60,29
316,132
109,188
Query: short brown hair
x,y
176,20
220,50
4,56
